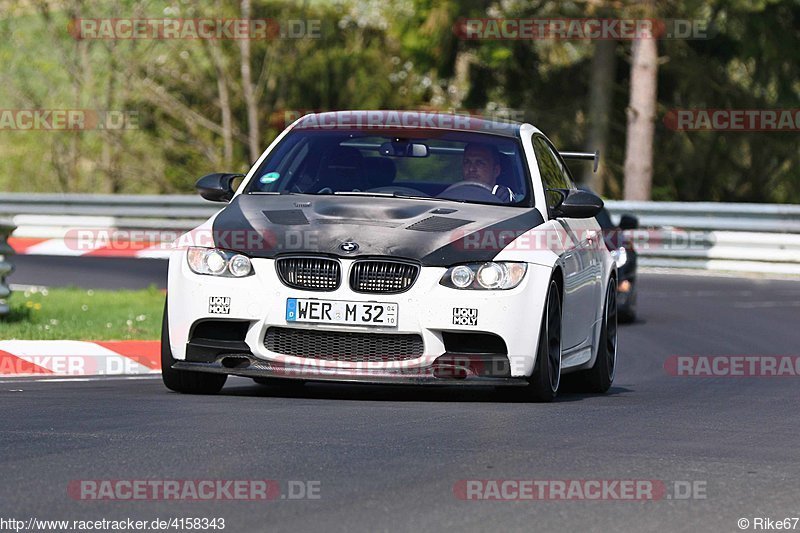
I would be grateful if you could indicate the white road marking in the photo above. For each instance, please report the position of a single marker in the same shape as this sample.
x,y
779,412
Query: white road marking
x,y
761,305
29,378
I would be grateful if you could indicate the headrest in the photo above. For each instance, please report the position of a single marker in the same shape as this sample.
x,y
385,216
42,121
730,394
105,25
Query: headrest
x,y
381,171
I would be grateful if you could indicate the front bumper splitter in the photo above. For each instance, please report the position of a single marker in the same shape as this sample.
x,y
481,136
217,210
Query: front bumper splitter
x,y
439,373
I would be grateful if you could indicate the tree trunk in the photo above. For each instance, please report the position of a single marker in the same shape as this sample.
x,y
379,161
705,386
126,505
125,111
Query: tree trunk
x,y
602,90
641,120
249,92
218,59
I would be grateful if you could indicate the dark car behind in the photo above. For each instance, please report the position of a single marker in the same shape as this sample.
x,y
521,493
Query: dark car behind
x,y
622,250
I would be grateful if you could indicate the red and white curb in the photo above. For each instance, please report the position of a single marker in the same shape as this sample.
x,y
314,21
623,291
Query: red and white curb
x,y
65,247
79,358
76,235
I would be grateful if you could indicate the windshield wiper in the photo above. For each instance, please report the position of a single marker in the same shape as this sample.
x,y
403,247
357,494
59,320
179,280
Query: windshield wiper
x,y
388,195
363,193
398,195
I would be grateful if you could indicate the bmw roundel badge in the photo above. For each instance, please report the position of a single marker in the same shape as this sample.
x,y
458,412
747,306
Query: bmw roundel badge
x,y
348,247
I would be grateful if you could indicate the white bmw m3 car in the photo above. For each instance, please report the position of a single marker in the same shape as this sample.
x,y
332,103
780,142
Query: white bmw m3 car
x,y
396,247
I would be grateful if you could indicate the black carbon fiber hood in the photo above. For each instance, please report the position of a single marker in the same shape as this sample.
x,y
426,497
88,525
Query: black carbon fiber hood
x,y
432,232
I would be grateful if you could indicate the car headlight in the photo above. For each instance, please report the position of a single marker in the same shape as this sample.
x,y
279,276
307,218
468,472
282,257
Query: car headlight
x,y
216,262
485,276
620,256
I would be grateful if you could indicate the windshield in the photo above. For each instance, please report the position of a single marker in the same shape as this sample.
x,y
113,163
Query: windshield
x,y
435,164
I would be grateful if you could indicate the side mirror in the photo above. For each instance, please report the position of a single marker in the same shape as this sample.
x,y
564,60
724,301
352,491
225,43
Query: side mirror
x,y
217,187
628,222
578,204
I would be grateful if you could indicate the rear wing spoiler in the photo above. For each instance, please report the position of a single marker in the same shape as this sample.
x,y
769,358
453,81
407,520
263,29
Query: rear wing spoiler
x,y
585,156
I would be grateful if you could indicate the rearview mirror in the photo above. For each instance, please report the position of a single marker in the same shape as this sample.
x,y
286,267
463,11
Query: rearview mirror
x,y
578,204
403,149
217,187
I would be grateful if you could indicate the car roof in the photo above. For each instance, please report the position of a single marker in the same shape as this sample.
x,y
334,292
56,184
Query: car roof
x,y
396,119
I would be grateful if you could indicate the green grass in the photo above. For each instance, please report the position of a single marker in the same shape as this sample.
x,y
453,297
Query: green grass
x,y
81,314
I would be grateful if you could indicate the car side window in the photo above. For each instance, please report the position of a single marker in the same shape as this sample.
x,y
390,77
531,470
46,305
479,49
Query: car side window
x,y
565,173
553,174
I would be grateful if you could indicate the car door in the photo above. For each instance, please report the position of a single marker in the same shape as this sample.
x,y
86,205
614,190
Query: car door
x,y
591,245
592,248
578,260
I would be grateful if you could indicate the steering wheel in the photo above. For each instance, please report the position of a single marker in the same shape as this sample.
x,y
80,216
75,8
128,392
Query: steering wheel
x,y
408,191
474,188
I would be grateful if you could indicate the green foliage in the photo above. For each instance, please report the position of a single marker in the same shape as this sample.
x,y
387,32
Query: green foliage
x,y
371,54
81,314
751,63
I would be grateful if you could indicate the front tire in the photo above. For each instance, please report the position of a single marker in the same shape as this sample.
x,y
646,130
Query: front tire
x,y
546,377
183,380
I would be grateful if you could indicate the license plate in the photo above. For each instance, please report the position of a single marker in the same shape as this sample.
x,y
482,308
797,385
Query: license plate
x,y
341,312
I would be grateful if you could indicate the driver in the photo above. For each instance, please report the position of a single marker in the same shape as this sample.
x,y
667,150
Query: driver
x,y
481,166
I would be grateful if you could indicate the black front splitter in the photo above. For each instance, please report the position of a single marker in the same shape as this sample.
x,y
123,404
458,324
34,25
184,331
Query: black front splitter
x,y
437,374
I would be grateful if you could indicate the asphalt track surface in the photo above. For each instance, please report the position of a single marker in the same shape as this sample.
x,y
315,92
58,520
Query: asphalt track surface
x,y
89,272
388,458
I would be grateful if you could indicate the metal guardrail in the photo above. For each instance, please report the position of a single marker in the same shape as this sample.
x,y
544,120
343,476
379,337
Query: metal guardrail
x,y
761,238
6,268
726,236
108,210
770,218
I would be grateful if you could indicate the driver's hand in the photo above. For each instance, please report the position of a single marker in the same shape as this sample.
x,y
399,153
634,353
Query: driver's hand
x,y
503,193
